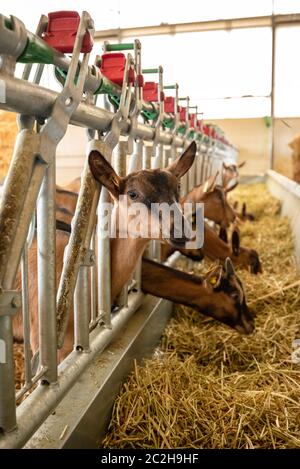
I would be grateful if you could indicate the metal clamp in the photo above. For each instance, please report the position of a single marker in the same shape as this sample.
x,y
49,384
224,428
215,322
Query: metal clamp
x,y
10,302
13,36
138,95
88,258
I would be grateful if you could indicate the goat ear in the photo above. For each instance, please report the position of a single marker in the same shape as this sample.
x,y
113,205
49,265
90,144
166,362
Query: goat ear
x,y
230,188
184,162
244,210
223,235
229,269
213,277
104,173
235,242
210,183
241,164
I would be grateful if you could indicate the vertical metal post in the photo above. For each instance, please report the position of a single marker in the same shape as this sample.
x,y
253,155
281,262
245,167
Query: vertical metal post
x,y
104,263
135,164
272,95
147,154
203,159
158,157
166,157
82,308
25,313
146,164
94,283
7,378
135,161
46,236
157,163
198,165
120,168
192,173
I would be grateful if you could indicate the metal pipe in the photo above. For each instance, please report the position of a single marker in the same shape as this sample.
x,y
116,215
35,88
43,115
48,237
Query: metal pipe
x,y
135,164
166,157
7,378
120,168
82,309
198,166
16,212
94,283
26,319
82,228
29,98
15,216
146,164
272,94
46,239
104,258
147,154
157,163
198,26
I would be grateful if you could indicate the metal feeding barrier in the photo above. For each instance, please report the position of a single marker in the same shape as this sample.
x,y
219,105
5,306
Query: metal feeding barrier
x,y
136,120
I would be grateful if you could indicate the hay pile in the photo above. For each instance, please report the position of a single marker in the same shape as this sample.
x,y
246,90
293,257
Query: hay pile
x,y
8,132
207,386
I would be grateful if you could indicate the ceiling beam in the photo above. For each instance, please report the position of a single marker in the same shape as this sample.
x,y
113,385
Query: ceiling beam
x,y
198,26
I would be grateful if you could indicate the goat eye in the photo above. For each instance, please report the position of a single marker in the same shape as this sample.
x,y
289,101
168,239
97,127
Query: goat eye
x,y
132,194
235,296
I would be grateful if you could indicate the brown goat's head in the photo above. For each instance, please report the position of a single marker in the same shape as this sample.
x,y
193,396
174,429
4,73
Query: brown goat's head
x,y
216,206
244,258
229,299
230,175
148,188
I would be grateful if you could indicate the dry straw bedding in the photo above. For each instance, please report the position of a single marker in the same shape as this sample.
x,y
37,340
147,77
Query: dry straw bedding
x,y
207,386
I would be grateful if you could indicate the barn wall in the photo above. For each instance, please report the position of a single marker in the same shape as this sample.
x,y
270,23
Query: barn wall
x,y
251,136
253,139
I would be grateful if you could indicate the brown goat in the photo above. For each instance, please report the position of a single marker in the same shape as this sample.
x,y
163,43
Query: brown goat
x,y
230,175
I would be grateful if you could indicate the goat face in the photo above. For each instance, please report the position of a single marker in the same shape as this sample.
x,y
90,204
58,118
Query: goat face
x,y
151,192
229,304
247,259
217,209
244,257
